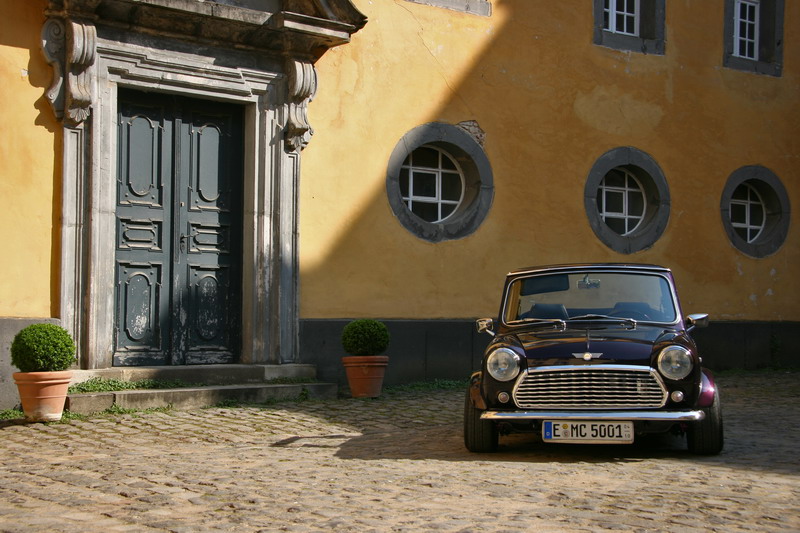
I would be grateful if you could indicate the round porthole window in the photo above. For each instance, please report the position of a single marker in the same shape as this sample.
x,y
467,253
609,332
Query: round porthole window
x,y
755,211
439,182
627,200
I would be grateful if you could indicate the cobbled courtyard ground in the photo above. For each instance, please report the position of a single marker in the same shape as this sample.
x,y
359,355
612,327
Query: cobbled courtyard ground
x,y
395,464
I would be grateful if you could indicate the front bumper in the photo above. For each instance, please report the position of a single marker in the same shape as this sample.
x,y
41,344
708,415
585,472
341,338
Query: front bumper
x,y
633,416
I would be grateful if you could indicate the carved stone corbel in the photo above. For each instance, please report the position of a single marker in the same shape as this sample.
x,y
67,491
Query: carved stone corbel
x,y
53,47
302,79
70,48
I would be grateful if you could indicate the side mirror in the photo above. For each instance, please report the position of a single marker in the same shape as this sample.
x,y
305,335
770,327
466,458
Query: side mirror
x,y
485,325
698,320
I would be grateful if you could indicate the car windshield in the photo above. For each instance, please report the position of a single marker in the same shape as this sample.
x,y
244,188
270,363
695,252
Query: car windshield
x,y
590,296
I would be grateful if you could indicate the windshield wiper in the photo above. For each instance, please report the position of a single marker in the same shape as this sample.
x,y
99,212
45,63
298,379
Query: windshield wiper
x,y
541,321
590,316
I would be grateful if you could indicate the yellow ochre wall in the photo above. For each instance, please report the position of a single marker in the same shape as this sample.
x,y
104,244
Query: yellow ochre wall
x,y
551,103
29,182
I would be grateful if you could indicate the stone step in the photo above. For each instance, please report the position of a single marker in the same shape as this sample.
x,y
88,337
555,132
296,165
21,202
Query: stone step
x,y
197,397
202,374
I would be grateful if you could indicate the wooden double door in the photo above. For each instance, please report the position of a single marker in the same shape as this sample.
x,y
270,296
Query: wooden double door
x,y
178,230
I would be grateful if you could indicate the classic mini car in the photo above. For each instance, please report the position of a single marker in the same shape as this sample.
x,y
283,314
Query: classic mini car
x,y
592,354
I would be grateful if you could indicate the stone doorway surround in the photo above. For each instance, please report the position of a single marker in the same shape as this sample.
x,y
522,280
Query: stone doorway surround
x,y
256,53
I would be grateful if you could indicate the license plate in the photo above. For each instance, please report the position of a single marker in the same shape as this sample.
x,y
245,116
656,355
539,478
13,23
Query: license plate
x,y
587,432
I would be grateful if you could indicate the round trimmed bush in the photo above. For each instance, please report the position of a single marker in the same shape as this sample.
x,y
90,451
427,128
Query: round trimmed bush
x,y
42,348
365,337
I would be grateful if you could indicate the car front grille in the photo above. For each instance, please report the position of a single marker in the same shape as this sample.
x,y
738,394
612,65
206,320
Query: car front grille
x,y
590,387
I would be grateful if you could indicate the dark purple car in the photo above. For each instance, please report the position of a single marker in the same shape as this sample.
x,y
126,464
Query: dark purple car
x,y
593,354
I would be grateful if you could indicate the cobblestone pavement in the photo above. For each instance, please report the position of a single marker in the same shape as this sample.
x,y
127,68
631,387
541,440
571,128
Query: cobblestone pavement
x,y
395,464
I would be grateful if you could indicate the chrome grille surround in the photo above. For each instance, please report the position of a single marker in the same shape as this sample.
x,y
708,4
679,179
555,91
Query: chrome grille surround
x,y
590,387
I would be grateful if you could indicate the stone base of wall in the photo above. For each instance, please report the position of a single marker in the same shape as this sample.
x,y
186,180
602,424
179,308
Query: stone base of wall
x,y
419,350
451,349
749,345
424,350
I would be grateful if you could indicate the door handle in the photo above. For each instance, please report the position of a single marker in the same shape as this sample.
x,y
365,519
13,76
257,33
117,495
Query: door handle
x,y
184,243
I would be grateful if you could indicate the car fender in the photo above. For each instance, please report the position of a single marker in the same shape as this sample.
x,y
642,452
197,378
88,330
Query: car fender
x,y
475,391
707,389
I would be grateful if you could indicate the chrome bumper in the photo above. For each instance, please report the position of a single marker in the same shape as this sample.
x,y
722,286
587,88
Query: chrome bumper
x,y
634,416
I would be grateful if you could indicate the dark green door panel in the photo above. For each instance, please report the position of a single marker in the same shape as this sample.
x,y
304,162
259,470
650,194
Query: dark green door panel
x,y
179,218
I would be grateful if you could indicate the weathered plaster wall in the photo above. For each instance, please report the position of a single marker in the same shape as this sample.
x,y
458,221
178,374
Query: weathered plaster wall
x,y
551,103
28,180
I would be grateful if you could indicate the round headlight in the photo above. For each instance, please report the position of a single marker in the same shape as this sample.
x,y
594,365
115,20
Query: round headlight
x,y
503,364
675,362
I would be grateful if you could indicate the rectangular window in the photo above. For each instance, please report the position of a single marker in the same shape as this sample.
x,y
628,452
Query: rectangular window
x,y
754,36
474,7
621,16
634,25
745,29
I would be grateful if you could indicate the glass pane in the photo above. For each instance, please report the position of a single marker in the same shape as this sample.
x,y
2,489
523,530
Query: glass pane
x,y
404,182
614,202
635,204
740,193
615,178
741,232
738,213
617,225
426,211
631,224
756,214
447,210
425,157
451,187
424,184
620,22
447,163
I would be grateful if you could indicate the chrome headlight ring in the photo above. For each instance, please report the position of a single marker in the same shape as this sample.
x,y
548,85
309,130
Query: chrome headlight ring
x,y
675,362
503,364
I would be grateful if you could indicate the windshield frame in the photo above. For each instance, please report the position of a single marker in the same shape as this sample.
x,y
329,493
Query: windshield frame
x,y
589,270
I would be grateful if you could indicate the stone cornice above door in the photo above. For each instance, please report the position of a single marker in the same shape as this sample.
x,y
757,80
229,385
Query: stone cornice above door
x,y
295,32
301,29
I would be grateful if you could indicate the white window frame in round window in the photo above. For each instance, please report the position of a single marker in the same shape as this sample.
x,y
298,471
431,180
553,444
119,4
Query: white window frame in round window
x,y
462,145
419,196
630,194
747,212
643,176
764,189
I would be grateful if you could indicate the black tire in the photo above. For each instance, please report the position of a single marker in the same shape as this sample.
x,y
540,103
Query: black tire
x,y
707,437
480,436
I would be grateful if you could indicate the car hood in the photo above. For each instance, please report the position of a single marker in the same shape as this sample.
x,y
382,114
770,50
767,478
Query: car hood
x,y
593,344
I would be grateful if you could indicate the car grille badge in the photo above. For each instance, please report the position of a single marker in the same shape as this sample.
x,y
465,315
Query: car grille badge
x,y
588,356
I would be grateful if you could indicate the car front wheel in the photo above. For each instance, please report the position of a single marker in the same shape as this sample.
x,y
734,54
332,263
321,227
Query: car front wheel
x,y
706,437
480,436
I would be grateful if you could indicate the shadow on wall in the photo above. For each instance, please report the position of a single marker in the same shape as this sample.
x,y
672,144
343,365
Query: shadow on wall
x,y
420,350
550,102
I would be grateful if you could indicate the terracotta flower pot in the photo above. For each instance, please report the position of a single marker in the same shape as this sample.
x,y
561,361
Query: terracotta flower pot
x,y
365,374
43,394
